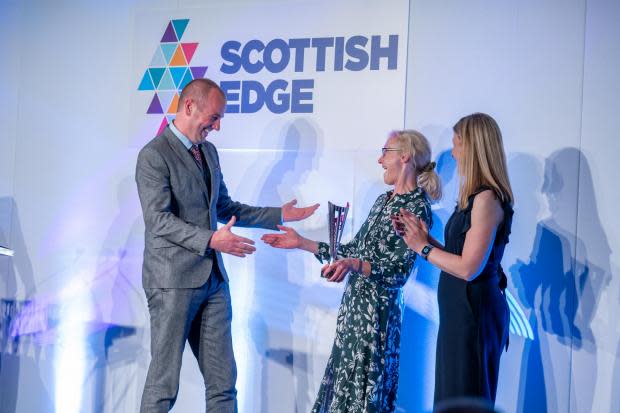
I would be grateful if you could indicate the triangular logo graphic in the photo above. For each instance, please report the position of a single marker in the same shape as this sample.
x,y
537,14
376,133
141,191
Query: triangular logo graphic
x,y
165,98
162,126
177,75
179,58
166,82
169,35
186,79
174,105
158,59
155,106
169,72
168,50
146,83
198,72
156,74
180,26
188,50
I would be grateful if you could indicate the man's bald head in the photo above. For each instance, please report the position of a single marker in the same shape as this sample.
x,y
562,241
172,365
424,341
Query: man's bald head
x,y
198,90
201,107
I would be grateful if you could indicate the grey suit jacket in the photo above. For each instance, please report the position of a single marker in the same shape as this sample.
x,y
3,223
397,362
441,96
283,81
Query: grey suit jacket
x,y
180,215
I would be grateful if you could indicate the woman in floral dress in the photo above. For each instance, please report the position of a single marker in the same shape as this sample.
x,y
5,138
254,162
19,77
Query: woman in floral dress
x,y
362,370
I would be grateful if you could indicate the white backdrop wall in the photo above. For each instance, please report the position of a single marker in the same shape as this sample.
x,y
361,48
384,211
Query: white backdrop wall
x,y
74,121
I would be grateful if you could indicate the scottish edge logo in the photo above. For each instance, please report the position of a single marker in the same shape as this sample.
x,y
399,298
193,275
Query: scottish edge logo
x,y
170,69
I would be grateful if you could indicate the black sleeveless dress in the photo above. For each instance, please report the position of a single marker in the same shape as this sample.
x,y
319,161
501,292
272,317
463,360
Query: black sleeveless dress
x,y
473,316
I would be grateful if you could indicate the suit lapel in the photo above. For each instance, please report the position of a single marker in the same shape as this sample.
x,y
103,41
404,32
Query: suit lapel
x,y
210,163
186,158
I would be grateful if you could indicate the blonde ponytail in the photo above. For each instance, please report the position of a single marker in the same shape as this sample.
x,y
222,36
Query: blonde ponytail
x,y
415,144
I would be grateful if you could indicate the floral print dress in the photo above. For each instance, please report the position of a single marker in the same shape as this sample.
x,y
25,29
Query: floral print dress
x,y
362,370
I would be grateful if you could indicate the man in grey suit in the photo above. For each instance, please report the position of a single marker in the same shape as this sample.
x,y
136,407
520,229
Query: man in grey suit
x,y
183,196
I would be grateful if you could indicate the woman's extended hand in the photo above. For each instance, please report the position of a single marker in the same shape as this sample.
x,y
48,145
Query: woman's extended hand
x,y
415,231
338,270
288,239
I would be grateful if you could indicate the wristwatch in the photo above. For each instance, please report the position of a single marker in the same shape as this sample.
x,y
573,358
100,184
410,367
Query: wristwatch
x,y
426,250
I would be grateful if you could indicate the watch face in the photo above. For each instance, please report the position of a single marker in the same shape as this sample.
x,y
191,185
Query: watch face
x,y
426,250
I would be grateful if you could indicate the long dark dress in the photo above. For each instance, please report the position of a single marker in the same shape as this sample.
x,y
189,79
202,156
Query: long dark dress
x,y
362,370
473,316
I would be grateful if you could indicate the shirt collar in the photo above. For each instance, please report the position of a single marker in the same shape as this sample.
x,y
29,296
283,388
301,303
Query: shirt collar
x,y
184,139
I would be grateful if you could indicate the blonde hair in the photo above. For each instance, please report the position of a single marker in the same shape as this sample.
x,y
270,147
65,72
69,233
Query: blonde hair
x,y
483,160
413,143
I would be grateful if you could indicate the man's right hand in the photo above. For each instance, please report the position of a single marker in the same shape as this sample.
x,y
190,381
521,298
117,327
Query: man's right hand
x,y
223,240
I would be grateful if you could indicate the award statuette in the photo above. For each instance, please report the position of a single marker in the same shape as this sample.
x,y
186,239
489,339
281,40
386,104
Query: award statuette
x,y
336,217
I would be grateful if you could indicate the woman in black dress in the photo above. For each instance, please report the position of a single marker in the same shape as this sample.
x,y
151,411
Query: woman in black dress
x,y
473,312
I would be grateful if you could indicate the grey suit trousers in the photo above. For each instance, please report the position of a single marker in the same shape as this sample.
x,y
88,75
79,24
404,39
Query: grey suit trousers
x,y
203,317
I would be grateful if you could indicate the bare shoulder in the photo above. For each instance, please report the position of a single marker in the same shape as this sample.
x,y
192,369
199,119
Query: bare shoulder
x,y
487,207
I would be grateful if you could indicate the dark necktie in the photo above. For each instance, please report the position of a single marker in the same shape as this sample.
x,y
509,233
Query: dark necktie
x,y
195,150
197,154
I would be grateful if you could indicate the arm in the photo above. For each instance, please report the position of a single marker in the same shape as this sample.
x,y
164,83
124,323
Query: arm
x,y
390,265
226,208
247,216
290,239
433,241
153,180
394,272
486,215
265,217
291,213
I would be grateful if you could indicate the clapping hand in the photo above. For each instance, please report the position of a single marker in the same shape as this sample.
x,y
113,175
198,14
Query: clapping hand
x,y
398,225
413,230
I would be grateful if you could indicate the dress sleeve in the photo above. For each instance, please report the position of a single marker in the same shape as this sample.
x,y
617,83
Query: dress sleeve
x,y
344,250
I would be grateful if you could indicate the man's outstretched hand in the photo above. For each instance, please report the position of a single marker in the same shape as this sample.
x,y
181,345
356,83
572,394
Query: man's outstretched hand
x,y
292,213
223,240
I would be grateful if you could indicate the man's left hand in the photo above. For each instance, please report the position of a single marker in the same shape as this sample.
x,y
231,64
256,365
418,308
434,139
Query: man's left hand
x,y
292,213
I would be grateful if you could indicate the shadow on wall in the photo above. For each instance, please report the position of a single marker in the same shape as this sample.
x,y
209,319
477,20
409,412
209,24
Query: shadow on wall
x,y
274,326
560,291
19,356
50,336
615,383
116,346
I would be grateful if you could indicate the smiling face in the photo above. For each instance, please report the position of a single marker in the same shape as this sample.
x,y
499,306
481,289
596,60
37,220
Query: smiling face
x,y
203,117
391,161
